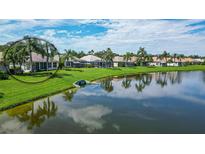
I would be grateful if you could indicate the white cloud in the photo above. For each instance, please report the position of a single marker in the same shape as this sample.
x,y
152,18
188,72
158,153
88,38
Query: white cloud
x,y
121,36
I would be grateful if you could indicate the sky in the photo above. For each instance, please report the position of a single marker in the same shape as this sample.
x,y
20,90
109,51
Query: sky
x,y
175,36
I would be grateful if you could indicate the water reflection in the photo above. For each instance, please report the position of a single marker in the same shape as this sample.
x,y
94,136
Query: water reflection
x,y
69,94
126,82
142,80
106,84
34,116
90,117
171,102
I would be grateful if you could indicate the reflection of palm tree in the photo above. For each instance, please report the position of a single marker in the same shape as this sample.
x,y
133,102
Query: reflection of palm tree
x,y
126,83
107,85
162,79
143,80
36,118
175,77
68,95
49,109
203,76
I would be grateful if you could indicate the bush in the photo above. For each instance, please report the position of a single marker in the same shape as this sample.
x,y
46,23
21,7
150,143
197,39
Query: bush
x,y
17,70
4,76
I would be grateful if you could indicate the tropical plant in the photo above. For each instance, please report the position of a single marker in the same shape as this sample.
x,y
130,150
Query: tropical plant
x,y
127,57
141,56
165,55
108,56
68,56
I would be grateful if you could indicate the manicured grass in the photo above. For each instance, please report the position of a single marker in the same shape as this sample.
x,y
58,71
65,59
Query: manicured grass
x,y
14,92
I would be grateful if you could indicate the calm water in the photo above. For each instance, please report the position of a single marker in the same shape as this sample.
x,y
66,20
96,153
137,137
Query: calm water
x,y
150,103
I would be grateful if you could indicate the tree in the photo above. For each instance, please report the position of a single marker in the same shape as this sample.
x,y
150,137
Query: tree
x,y
68,56
91,52
108,56
127,57
50,51
34,45
141,56
165,55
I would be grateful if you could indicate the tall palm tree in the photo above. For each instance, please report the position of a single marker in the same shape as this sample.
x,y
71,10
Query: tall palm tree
x,y
108,56
127,57
142,56
68,56
34,45
165,55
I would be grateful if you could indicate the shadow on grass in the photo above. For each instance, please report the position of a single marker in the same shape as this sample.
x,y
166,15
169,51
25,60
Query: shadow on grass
x,y
37,74
1,95
115,68
70,69
61,75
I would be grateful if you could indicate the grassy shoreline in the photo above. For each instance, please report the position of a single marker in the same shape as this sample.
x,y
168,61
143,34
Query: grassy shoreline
x,y
16,93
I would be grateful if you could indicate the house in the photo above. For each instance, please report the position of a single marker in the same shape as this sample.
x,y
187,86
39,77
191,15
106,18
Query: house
x,y
39,63
158,62
119,61
94,61
74,62
2,67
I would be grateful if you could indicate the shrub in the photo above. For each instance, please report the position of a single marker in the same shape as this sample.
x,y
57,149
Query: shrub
x,y
4,76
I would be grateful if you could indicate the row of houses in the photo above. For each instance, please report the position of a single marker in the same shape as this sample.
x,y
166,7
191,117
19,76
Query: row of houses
x,y
40,62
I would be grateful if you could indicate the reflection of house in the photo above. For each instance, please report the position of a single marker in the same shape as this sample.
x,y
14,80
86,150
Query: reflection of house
x,y
119,61
40,63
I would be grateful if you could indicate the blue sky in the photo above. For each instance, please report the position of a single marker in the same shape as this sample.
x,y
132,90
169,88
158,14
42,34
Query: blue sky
x,y
181,36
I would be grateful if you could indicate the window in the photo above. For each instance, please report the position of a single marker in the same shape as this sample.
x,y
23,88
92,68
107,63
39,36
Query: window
x,y
54,64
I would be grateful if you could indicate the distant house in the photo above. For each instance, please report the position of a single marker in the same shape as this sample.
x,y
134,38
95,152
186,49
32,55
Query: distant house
x,y
40,63
94,61
119,61
74,62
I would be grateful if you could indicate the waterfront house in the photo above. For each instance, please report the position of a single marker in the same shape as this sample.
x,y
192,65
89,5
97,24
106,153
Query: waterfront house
x,y
119,61
39,63
74,62
2,67
92,61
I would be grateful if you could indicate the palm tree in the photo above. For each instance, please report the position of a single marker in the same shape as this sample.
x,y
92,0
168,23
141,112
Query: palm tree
x,y
174,57
108,56
127,57
165,55
91,52
34,45
68,56
142,56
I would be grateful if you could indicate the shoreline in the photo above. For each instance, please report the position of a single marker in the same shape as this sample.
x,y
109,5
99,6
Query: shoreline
x,y
110,73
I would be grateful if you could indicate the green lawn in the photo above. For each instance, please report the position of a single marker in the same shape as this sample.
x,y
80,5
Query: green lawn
x,y
13,92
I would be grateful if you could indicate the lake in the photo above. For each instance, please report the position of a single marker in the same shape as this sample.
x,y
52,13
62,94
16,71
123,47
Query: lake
x,y
172,102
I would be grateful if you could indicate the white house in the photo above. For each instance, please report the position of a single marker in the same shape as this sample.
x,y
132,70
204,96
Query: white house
x,y
2,67
92,60
39,63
